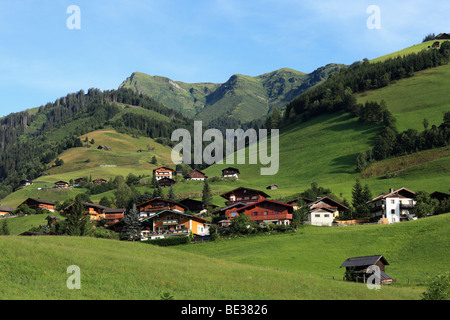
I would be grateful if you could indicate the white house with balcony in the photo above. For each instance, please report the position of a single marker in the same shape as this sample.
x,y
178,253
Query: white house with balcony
x,y
395,206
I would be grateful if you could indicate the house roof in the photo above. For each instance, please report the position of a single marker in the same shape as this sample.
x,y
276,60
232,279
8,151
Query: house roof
x,y
161,199
386,195
226,195
163,167
6,209
40,201
307,200
262,201
156,214
363,261
198,172
330,202
61,182
324,208
230,168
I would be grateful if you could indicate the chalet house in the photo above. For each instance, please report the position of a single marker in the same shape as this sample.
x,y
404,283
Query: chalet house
x,y
166,182
99,181
37,204
324,210
194,206
168,223
163,172
157,205
25,183
440,195
112,216
268,211
197,175
321,217
61,185
296,202
97,212
230,211
231,173
443,36
395,206
5,210
356,268
245,195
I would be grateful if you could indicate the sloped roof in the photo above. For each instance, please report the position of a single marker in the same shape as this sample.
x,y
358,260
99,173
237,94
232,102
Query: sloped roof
x,y
386,195
226,195
328,200
161,199
265,200
363,261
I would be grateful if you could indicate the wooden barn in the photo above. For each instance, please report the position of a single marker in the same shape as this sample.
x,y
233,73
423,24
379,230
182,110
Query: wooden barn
x,y
357,268
5,210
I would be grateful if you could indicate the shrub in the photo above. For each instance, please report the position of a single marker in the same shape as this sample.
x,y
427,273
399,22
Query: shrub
x,y
172,241
438,288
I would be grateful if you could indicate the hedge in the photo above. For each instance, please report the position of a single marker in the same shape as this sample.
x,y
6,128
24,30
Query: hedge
x,y
172,241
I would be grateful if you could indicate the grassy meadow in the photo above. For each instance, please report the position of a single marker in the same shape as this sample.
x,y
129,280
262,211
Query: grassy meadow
x,y
285,266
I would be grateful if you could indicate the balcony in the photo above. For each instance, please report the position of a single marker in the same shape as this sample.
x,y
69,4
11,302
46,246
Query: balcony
x,y
376,208
172,222
406,206
286,216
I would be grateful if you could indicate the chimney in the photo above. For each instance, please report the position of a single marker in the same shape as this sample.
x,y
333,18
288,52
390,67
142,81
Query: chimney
x,y
391,190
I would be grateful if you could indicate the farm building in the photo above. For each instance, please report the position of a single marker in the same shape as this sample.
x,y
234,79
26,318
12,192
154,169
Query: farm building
x,y
443,36
357,268
99,181
272,187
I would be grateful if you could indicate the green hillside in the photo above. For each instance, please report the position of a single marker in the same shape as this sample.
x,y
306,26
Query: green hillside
x,y
413,49
286,266
241,98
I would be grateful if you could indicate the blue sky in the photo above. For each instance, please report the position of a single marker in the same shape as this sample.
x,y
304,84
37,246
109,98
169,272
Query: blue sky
x,y
191,41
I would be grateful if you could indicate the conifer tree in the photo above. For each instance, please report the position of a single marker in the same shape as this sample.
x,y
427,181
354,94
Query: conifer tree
x,y
78,221
132,226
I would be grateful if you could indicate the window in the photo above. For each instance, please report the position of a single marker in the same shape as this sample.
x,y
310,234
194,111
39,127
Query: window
x,y
255,213
233,214
247,198
266,213
326,215
317,215
239,198
276,212
254,197
392,211
392,201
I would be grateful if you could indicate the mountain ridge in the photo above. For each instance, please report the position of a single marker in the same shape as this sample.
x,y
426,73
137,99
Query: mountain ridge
x,y
241,97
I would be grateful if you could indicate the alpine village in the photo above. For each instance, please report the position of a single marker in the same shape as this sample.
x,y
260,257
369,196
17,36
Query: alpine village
x,y
363,181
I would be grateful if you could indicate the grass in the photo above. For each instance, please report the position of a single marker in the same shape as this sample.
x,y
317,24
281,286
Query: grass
x,y
412,99
276,267
413,49
414,249
19,225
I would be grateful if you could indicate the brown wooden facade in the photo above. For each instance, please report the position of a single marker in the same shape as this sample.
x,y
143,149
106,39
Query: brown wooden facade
x,y
157,205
